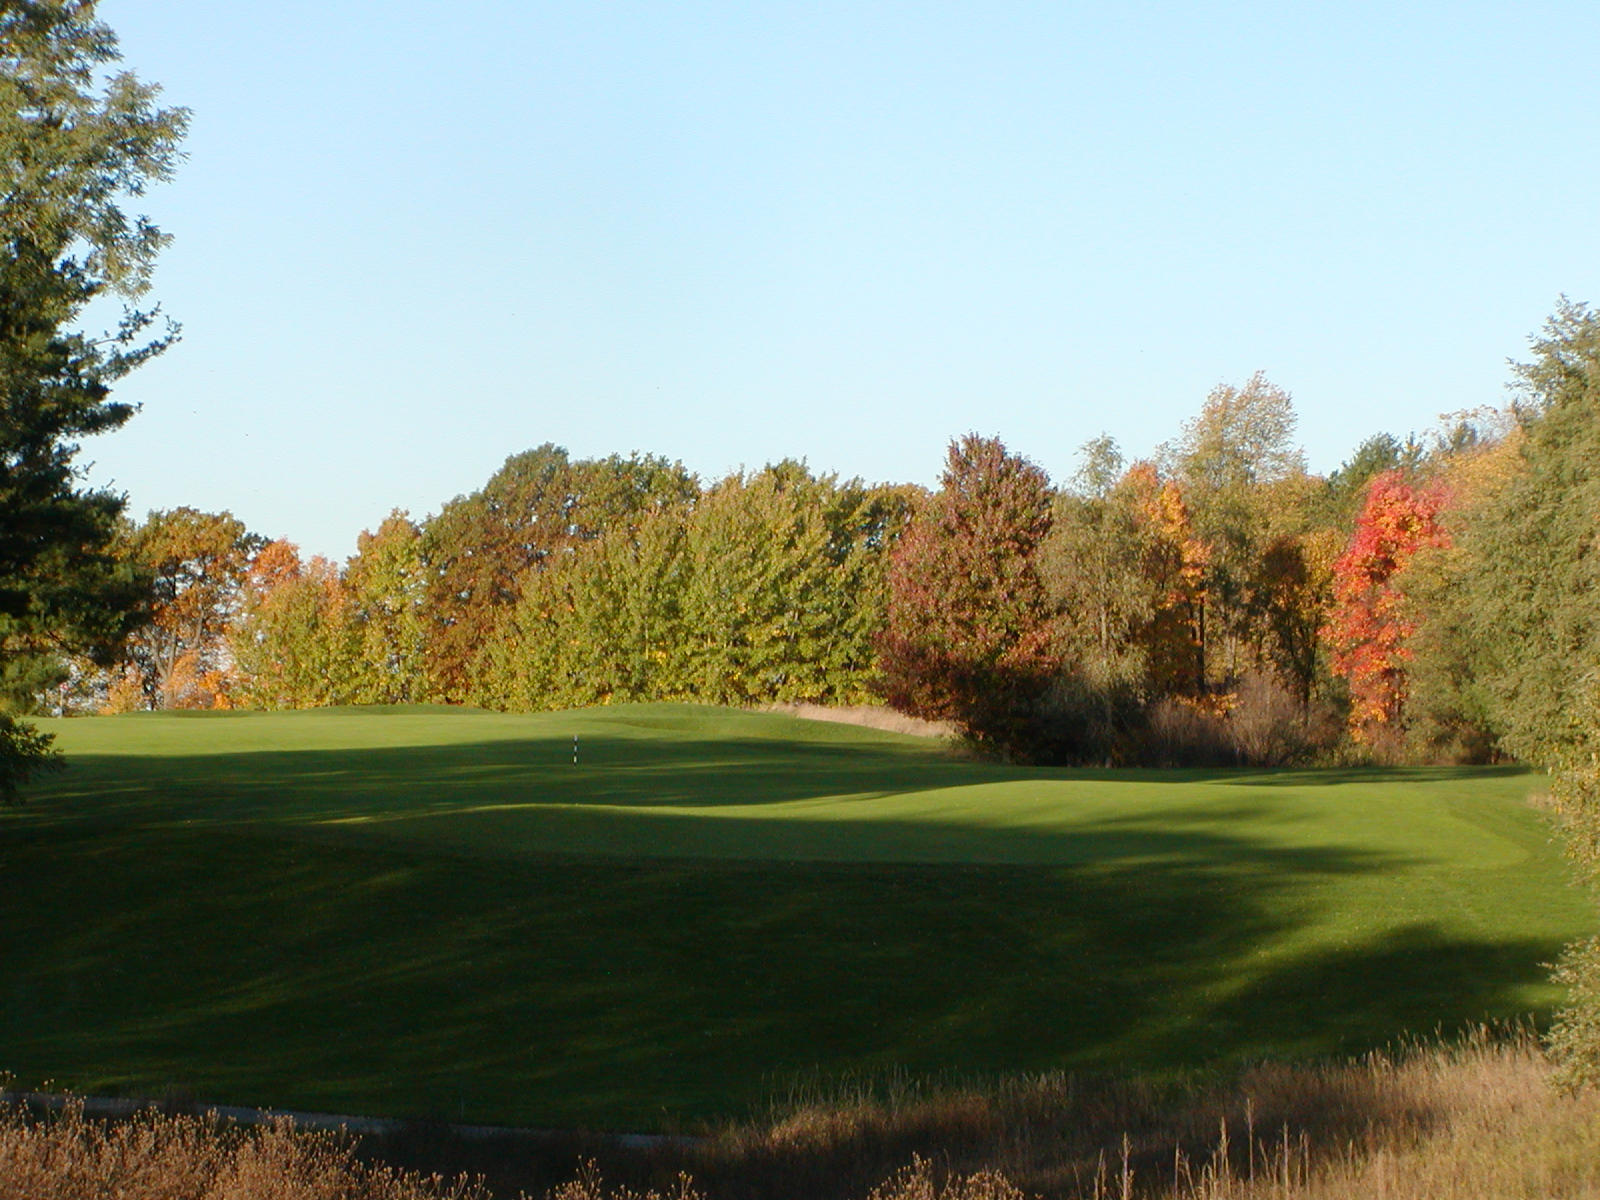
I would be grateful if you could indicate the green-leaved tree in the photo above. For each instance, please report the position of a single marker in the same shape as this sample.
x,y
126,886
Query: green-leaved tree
x,y
1242,476
1535,616
73,150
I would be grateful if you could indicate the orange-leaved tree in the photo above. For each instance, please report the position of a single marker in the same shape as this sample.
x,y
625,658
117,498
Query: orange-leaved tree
x,y
1368,627
197,563
1177,563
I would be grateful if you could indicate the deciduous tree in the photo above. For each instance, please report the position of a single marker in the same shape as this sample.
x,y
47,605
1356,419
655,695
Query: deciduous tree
x,y
387,583
970,636
1449,710
1093,564
784,589
1177,569
1535,617
296,639
538,506
1231,462
600,625
197,563
771,589
1291,593
1369,626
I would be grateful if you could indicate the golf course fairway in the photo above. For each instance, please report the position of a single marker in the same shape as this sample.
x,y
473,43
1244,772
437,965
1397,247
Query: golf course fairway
x,y
430,911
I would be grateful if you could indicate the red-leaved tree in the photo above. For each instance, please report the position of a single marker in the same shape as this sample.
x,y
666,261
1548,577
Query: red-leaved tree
x,y
1368,627
969,636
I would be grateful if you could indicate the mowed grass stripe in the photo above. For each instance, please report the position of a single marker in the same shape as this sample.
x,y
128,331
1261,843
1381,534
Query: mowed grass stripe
x,y
402,911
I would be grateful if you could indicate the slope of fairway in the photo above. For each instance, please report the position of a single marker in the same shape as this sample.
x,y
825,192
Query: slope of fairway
x,y
427,910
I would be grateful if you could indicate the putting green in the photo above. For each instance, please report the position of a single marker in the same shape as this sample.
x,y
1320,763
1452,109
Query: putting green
x,y
425,910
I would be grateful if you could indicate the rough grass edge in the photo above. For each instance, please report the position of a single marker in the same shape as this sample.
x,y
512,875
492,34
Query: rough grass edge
x,y
1474,1118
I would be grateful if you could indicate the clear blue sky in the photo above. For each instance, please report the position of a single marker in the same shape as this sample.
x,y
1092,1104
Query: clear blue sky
x,y
413,238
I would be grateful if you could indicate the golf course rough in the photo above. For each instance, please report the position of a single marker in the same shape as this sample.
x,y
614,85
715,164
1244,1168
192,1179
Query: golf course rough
x,y
432,911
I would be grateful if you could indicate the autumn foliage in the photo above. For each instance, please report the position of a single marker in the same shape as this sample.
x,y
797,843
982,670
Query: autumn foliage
x,y
1045,624
970,634
1176,562
195,563
1165,610
1370,626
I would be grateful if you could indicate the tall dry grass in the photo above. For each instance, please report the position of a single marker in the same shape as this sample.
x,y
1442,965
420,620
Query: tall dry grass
x,y
1477,1123
161,1157
1478,1120
1475,1120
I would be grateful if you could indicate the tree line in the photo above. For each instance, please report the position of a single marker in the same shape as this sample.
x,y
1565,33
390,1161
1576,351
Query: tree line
x,y
1214,602
559,583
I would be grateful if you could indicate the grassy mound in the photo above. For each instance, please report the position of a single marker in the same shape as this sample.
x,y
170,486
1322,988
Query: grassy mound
x,y
433,911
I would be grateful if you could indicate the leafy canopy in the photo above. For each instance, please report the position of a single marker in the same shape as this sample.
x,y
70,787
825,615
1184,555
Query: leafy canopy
x,y
970,635
73,150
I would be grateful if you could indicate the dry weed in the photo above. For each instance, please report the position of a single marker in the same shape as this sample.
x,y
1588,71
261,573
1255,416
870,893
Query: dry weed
x,y
1479,1120
1469,1124
589,1185
920,1181
157,1157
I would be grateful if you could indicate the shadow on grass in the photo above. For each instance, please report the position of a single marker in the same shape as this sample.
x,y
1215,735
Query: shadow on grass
x,y
612,770
637,772
1415,979
226,923
641,798
256,969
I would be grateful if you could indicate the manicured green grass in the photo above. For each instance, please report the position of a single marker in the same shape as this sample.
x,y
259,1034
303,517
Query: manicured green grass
x,y
433,911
